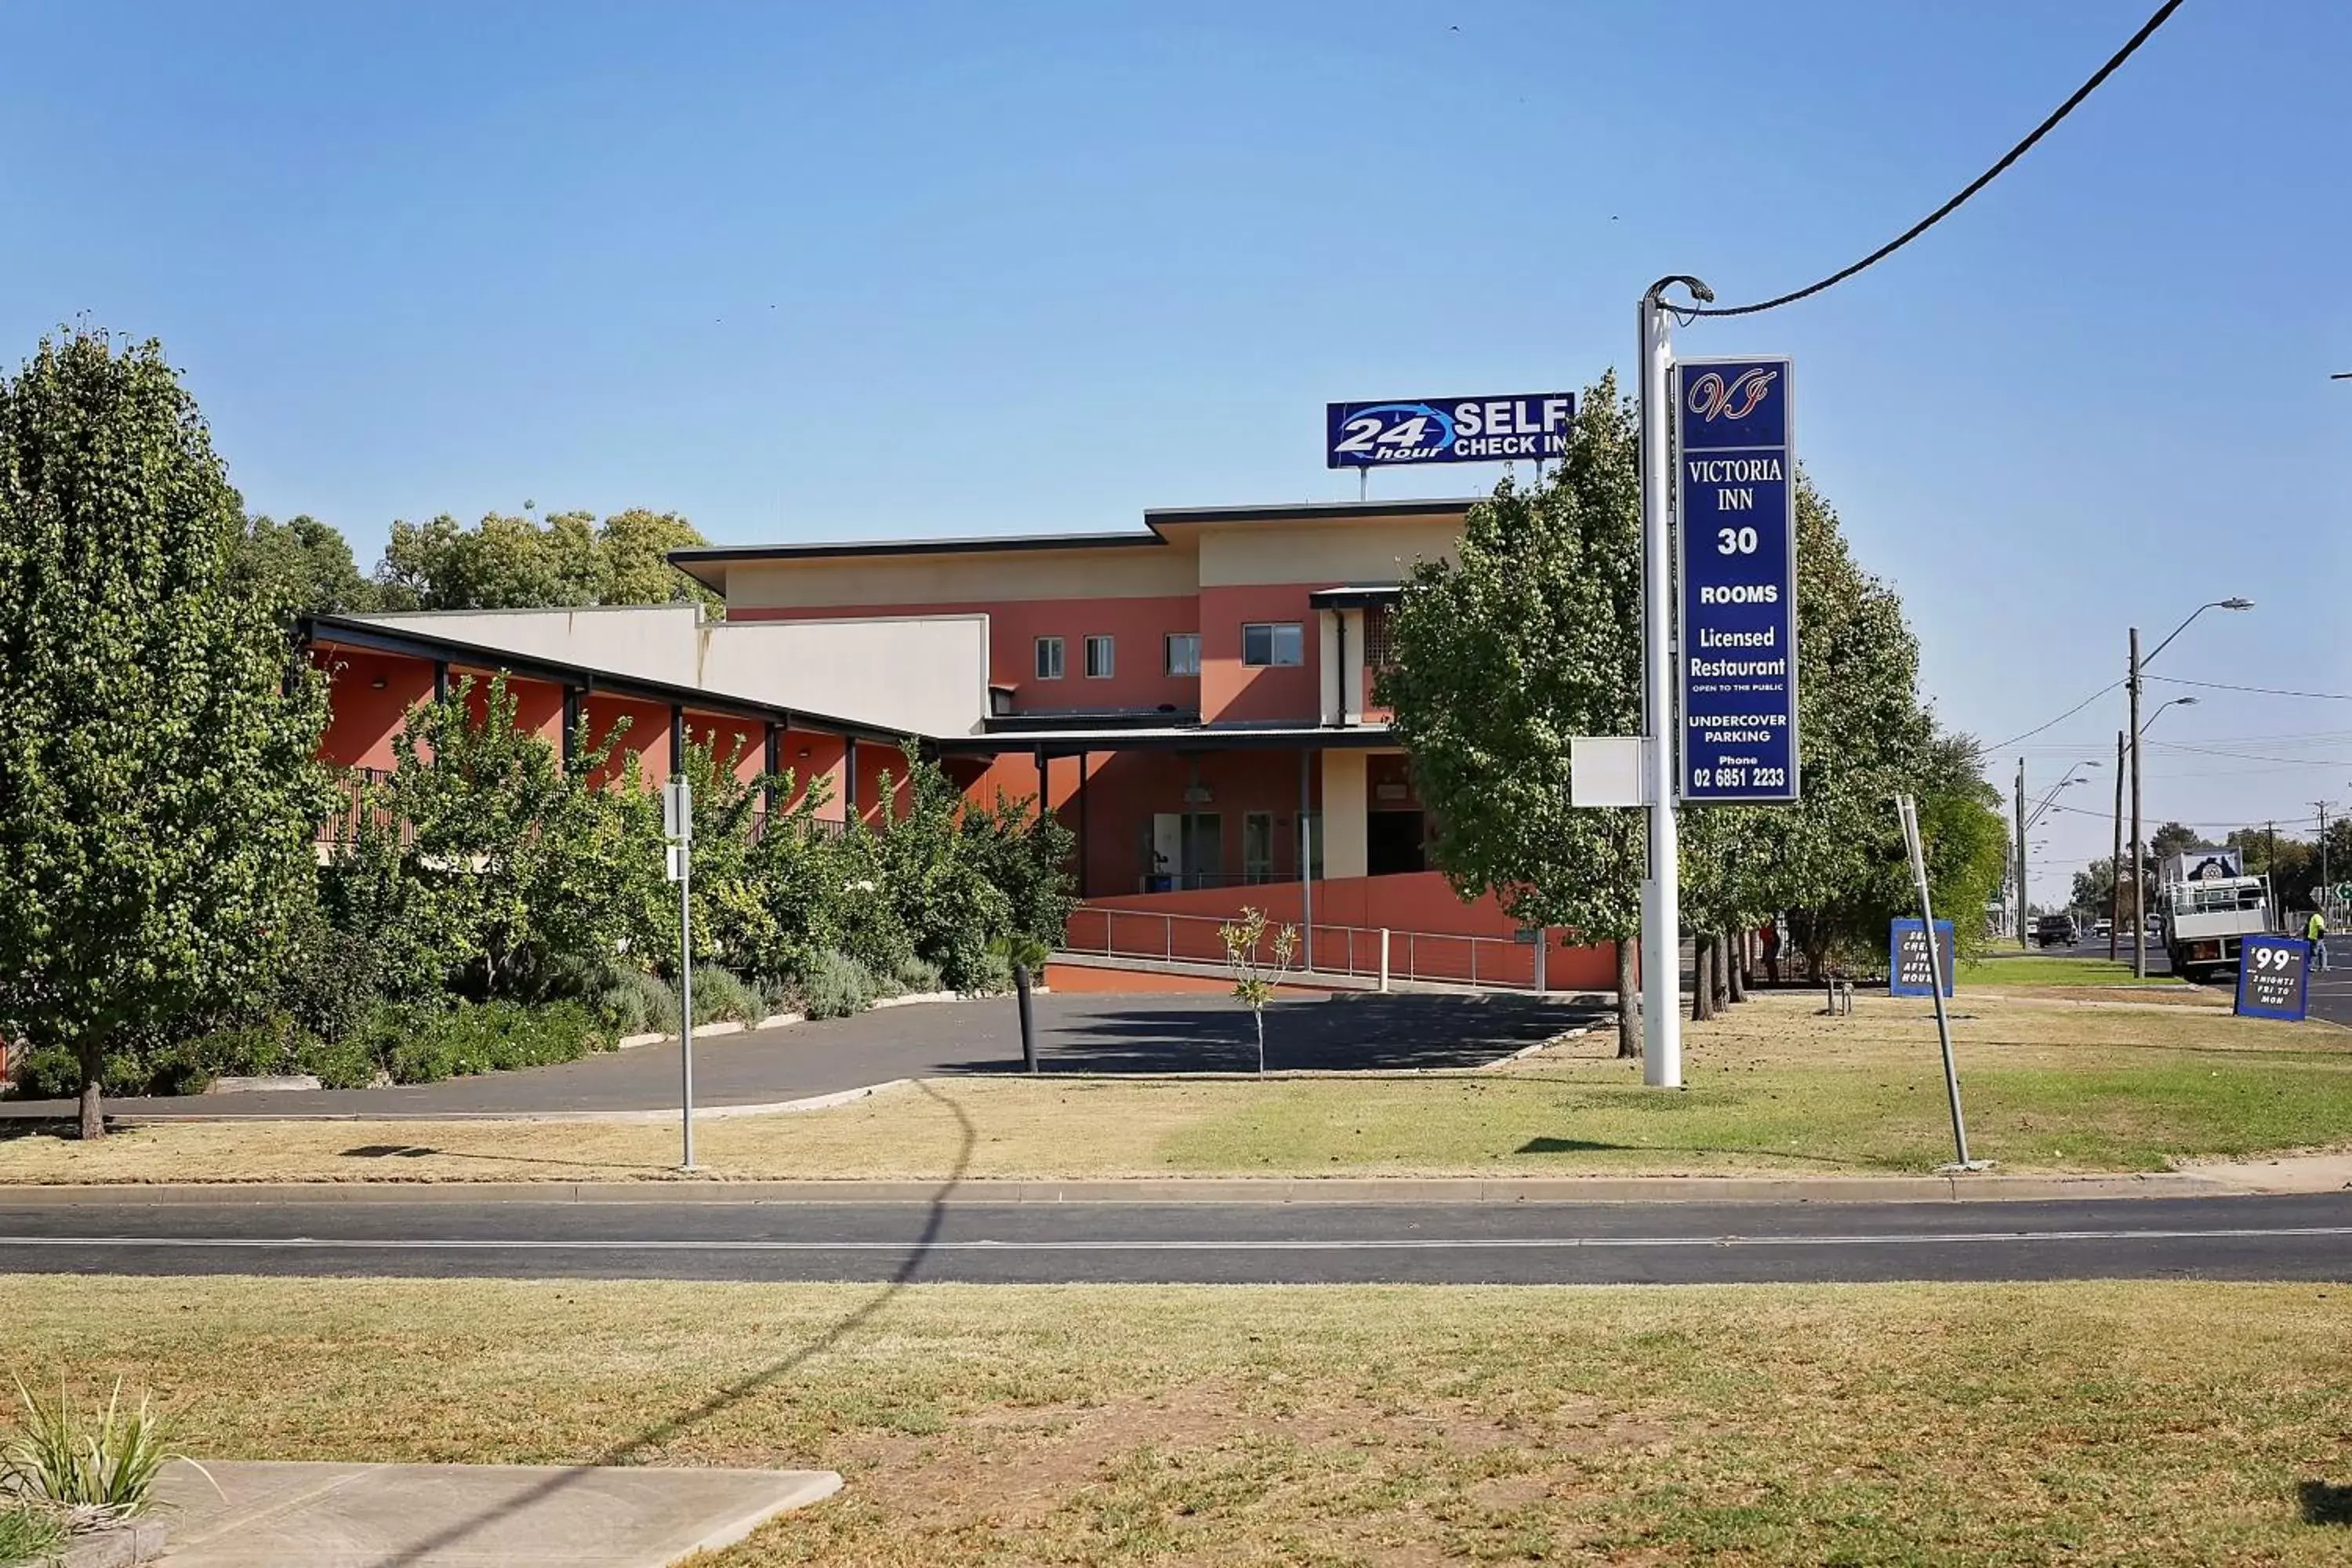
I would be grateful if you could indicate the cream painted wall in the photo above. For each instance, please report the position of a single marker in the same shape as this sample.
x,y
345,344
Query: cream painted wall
x,y
1345,851
924,675
1355,551
1116,572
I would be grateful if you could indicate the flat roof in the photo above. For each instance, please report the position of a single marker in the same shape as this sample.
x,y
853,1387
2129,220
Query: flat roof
x,y
696,561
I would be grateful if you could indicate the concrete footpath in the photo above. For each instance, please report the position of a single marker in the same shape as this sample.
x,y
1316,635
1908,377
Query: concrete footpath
x,y
255,1514
2284,1174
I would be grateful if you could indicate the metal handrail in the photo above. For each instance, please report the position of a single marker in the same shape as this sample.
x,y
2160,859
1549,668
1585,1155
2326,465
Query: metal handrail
x,y
1448,957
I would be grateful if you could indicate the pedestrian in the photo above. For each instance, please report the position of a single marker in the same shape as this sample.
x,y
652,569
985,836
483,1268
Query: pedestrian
x,y
1772,950
2315,931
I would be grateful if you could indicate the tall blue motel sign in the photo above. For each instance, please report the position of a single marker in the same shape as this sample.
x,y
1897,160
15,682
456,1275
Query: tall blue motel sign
x,y
2274,977
1734,473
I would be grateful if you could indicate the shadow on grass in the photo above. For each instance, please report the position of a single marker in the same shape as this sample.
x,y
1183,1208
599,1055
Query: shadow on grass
x,y
2324,1502
635,1449
421,1151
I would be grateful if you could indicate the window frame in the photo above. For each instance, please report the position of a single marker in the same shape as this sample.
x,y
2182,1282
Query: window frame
x,y
1168,642
1273,659
1060,662
1110,642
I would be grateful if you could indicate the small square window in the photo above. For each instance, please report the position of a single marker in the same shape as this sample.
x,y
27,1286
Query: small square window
x,y
1274,642
1049,659
1098,658
1183,653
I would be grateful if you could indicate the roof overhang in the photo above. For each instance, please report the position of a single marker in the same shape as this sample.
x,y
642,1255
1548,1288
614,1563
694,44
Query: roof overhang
x,y
344,631
1060,742
1355,596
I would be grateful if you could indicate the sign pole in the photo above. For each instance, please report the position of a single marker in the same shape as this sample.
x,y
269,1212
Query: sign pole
x,y
1908,811
678,827
1661,1024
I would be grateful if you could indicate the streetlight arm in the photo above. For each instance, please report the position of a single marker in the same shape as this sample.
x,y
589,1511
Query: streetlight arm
x,y
2216,604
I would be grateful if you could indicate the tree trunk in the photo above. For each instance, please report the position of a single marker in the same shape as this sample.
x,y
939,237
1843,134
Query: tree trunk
x,y
1702,1002
1259,1014
1628,991
1736,981
92,1056
1723,971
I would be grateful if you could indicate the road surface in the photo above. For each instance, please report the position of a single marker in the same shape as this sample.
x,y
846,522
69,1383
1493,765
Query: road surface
x,y
2304,1237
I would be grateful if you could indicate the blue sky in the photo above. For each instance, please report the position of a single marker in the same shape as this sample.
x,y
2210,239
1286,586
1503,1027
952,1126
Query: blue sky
x,y
825,271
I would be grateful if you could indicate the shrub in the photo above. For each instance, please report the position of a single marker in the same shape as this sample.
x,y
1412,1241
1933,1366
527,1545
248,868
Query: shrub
x,y
275,1047
837,985
721,996
94,1472
917,977
340,1064
419,1045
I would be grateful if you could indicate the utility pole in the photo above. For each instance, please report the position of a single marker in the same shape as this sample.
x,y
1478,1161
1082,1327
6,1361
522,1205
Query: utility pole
x,y
2324,883
2115,860
2020,852
2139,891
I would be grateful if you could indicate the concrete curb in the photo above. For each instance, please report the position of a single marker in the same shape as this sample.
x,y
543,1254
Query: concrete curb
x,y
1153,1190
141,1541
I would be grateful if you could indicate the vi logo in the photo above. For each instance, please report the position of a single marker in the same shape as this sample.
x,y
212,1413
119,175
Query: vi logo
x,y
1710,396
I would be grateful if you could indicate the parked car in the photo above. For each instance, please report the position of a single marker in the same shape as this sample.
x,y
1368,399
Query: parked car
x,y
2056,930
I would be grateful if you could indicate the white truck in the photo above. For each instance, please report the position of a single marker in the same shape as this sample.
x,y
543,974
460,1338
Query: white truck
x,y
2209,905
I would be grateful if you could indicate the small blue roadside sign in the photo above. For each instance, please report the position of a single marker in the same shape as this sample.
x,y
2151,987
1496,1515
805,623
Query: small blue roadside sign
x,y
2274,977
1533,424
1907,973
1736,496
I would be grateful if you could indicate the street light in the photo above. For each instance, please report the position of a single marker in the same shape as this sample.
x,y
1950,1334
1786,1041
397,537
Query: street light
x,y
2026,820
2176,702
2133,681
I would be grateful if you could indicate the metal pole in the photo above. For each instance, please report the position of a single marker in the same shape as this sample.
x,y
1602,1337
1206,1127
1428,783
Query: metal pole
x,y
1661,1024
1909,811
1306,860
2139,888
686,1000
2115,860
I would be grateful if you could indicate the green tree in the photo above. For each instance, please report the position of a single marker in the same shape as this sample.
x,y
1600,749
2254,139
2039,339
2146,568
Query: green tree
x,y
304,563
158,792
1532,636
507,563
2171,839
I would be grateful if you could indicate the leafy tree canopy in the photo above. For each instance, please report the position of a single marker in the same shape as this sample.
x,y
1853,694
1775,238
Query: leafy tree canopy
x,y
507,563
303,563
158,790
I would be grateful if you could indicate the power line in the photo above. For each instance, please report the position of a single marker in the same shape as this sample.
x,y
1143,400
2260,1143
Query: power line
x,y
2094,697
2261,691
2147,30
2239,822
2253,757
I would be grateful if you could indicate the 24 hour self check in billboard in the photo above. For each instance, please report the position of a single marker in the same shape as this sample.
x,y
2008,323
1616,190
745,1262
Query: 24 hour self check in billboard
x,y
1447,430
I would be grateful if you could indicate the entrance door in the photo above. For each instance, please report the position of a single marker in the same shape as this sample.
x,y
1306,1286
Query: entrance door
x,y
1165,852
1393,842
1205,848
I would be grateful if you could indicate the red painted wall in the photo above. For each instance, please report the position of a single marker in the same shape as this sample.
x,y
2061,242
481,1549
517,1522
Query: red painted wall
x,y
363,718
1232,691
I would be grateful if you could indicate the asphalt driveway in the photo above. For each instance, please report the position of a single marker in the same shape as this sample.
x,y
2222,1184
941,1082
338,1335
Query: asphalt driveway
x,y
1085,1033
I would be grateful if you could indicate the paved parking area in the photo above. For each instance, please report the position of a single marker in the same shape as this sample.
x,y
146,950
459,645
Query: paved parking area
x,y
1078,1033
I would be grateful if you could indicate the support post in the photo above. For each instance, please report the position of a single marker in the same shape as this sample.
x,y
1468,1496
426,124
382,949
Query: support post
x,y
1384,958
2139,883
1085,761
1306,865
1662,1054
772,763
849,780
571,723
685,1004
440,680
676,738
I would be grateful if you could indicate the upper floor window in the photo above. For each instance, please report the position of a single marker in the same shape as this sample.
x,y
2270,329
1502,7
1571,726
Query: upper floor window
x,y
1183,653
1098,658
1273,642
1049,659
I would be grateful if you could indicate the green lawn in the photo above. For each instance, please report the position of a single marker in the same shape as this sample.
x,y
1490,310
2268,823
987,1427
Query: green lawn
x,y
2145,1423
2024,969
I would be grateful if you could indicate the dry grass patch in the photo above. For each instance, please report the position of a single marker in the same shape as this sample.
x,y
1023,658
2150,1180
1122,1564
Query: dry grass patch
x,y
2049,1085
2143,1422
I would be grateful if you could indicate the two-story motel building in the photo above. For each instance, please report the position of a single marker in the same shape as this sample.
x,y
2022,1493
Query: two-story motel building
x,y
1195,701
